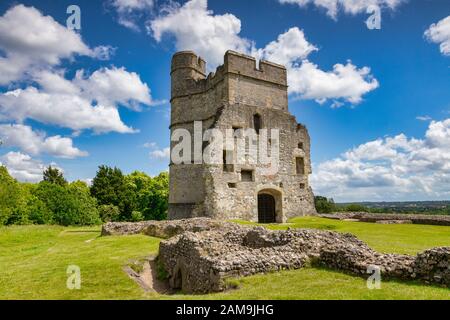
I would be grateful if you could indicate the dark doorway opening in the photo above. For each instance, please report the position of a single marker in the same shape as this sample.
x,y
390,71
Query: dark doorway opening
x,y
266,208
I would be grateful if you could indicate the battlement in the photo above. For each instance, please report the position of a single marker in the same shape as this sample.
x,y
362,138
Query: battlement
x,y
188,72
247,66
188,60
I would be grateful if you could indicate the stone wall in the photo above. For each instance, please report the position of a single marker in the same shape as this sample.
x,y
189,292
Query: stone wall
x,y
201,262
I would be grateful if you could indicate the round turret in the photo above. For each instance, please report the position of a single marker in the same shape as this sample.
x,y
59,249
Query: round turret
x,y
186,66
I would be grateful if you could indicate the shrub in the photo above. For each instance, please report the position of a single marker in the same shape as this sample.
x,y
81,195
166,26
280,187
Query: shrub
x,y
109,213
324,205
136,216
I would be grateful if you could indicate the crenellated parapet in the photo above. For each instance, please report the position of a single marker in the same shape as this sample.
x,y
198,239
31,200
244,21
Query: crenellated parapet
x,y
188,73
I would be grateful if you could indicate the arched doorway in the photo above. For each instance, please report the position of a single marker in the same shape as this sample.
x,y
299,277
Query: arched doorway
x,y
266,208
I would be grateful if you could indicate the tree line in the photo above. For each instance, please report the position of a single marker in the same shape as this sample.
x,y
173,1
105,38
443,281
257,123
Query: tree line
x,y
112,196
327,205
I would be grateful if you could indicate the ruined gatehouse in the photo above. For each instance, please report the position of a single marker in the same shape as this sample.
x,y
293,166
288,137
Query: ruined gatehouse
x,y
240,94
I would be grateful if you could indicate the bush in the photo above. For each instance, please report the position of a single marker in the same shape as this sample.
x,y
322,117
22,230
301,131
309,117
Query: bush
x,y
136,216
324,205
109,213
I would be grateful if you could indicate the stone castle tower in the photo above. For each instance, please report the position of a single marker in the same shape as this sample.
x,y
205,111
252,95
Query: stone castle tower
x,y
238,95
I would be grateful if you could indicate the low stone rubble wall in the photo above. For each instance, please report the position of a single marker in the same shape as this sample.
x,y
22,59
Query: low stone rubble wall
x,y
162,229
201,262
200,253
390,218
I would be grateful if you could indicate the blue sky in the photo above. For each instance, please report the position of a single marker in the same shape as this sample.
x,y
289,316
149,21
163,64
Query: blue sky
x,y
378,121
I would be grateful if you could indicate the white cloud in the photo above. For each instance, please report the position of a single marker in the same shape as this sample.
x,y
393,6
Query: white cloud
x,y
345,82
129,11
289,47
160,154
22,167
423,118
333,7
194,27
440,33
82,103
130,5
23,137
392,168
30,40
114,86
150,145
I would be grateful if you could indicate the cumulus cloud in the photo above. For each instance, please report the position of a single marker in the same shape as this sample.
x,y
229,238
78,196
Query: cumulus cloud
x,y
440,33
391,168
22,167
346,82
160,154
196,28
29,40
129,11
85,102
156,152
23,137
343,83
289,48
333,7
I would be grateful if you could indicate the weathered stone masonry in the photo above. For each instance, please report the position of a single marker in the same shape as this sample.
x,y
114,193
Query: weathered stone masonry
x,y
238,95
201,254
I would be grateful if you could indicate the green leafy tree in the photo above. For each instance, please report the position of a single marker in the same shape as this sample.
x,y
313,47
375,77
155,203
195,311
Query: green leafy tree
x,y
11,196
69,205
354,207
152,194
324,205
109,213
54,175
110,187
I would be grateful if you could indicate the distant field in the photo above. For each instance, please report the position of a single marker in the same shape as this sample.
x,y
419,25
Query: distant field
x,y
34,259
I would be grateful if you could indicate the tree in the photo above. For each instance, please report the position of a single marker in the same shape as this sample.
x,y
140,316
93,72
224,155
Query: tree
x,y
152,194
54,175
324,205
70,204
109,187
10,196
354,207
109,213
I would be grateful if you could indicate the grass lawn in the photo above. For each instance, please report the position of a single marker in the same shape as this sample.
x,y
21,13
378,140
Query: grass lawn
x,y
34,259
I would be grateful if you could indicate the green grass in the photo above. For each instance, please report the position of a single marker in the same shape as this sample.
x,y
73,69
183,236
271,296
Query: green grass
x,y
34,259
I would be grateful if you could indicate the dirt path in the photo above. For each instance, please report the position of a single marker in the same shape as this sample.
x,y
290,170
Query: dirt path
x,y
147,279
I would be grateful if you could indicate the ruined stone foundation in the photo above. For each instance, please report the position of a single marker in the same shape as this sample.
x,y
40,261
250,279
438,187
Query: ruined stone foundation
x,y
201,254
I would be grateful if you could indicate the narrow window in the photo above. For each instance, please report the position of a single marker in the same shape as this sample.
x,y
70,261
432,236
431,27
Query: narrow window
x,y
247,175
302,186
257,123
300,165
232,185
300,145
